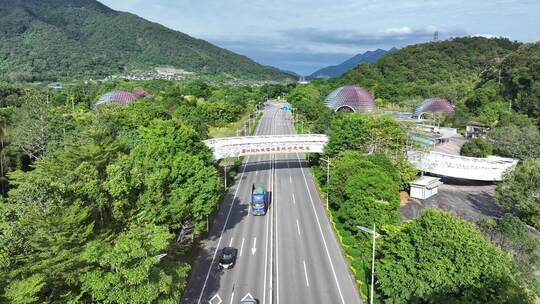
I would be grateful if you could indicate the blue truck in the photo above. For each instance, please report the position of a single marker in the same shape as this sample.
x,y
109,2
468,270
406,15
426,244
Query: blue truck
x,y
259,200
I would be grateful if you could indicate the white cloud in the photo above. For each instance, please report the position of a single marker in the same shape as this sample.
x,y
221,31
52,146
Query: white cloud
x,y
267,30
397,30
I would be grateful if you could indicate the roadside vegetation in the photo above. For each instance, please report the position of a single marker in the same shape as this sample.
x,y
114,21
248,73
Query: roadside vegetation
x,y
437,257
102,204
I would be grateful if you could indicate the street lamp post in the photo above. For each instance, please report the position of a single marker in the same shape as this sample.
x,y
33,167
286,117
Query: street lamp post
x,y
327,160
375,235
225,173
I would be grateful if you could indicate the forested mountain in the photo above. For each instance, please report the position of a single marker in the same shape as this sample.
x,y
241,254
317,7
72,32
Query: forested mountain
x,y
520,78
59,39
338,70
446,68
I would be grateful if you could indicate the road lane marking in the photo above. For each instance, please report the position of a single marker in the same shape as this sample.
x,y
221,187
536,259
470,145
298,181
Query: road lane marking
x,y
242,246
320,230
256,172
225,224
275,214
254,248
293,199
215,299
305,272
290,179
230,242
298,226
232,297
248,296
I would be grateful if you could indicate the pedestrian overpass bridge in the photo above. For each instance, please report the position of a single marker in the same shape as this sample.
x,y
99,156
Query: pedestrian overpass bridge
x,y
482,169
266,144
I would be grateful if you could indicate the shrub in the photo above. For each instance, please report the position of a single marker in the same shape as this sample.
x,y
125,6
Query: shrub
x,y
477,147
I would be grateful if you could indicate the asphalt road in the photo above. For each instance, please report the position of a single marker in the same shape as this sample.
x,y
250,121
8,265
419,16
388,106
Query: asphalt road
x,y
291,254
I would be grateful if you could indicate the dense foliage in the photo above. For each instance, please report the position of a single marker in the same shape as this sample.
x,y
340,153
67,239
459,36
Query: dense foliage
x,y
363,191
431,259
513,236
446,69
519,192
517,141
96,200
441,259
520,79
477,147
61,39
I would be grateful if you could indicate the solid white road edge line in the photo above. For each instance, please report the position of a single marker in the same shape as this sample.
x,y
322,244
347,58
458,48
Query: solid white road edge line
x,y
321,231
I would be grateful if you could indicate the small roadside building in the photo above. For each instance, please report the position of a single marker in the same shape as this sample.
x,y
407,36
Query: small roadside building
x,y
425,187
476,129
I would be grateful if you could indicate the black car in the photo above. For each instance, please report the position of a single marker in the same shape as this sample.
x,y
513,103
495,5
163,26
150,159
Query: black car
x,y
227,258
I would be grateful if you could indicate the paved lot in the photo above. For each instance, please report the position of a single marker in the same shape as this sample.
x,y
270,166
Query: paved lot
x,y
469,200
452,147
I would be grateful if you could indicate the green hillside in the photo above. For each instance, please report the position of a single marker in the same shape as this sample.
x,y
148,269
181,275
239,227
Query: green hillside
x,y
62,39
519,78
447,68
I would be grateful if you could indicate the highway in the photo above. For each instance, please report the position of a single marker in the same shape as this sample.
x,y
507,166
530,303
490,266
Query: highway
x,y
291,254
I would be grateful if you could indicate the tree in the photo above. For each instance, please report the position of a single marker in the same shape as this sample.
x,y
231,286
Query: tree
x,y
514,237
520,142
476,147
168,179
307,101
364,190
26,291
127,269
30,132
519,192
438,258
366,133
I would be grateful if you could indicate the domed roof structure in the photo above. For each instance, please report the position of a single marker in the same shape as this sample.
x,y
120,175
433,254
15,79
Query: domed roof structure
x,y
116,97
351,99
139,92
433,105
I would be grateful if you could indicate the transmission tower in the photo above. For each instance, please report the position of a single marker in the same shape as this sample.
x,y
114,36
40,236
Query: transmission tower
x,y
436,36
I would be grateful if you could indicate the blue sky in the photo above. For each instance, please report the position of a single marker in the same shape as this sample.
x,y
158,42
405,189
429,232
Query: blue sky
x,y
305,35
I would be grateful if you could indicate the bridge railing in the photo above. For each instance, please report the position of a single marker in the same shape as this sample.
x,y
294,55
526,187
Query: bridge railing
x,y
266,144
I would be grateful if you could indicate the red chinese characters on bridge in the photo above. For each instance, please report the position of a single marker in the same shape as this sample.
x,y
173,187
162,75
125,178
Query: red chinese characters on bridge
x,y
285,149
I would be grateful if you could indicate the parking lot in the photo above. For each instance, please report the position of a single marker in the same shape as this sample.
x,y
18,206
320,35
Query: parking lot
x,y
469,200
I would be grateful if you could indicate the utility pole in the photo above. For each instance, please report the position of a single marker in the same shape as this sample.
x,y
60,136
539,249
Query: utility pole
x,y
375,235
225,172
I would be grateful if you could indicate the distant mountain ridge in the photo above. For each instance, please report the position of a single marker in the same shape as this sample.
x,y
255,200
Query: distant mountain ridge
x,y
338,70
64,39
